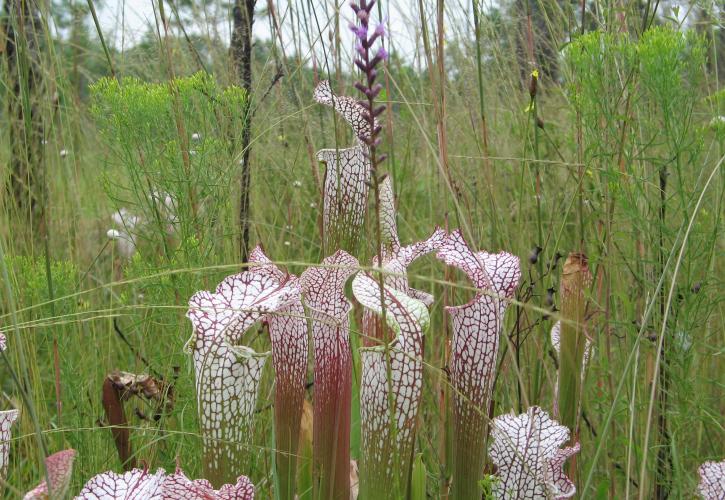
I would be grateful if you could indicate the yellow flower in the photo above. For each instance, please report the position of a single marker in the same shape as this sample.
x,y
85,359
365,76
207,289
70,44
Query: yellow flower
x,y
535,74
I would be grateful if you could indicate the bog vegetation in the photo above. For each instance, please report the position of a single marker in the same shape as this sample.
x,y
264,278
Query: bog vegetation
x,y
428,250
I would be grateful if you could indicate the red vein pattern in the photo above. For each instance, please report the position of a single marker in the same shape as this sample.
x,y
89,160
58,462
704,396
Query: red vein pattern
x,y
388,224
7,419
323,294
288,333
396,260
136,484
387,434
60,469
228,375
179,487
527,451
712,480
474,351
347,107
347,175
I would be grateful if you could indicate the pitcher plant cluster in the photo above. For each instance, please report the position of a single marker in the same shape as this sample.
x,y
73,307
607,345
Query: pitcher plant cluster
x,y
311,314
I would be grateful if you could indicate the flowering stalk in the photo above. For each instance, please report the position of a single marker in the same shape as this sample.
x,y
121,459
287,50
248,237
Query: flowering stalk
x,y
323,294
474,351
390,374
367,63
227,374
392,371
288,333
526,452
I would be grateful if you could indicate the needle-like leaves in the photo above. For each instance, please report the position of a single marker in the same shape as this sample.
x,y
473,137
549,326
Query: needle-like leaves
x,y
527,451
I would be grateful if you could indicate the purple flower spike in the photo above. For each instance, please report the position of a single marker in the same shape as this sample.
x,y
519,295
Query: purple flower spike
x,y
366,63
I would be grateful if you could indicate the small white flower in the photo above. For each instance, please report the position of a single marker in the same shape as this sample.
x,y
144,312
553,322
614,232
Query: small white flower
x,y
297,184
195,136
288,228
313,205
717,122
287,243
124,218
125,243
44,142
192,152
63,153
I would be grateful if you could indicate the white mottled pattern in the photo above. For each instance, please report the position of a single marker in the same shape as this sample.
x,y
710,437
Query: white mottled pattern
x,y
347,107
228,375
474,347
7,419
477,325
323,295
527,452
179,487
136,484
60,470
347,177
345,195
408,318
712,480
288,333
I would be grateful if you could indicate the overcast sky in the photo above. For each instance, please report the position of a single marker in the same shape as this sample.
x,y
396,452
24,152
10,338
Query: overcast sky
x,y
125,21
